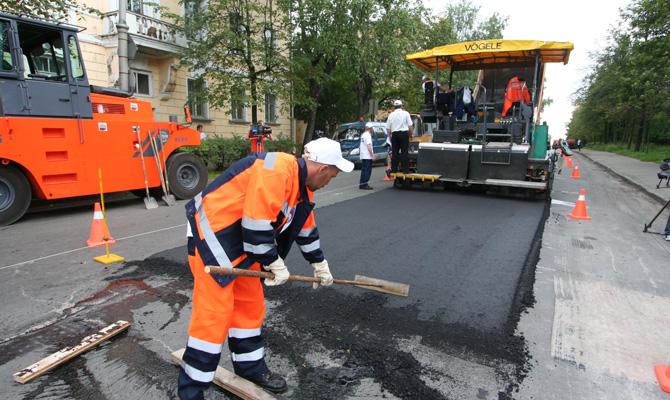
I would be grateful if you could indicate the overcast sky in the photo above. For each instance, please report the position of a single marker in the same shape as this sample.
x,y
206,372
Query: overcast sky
x,y
583,22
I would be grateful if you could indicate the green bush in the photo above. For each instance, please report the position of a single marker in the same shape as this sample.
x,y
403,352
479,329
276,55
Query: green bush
x,y
280,143
233,149
219,153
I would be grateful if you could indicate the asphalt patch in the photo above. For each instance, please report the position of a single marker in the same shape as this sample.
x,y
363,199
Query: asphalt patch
x,y
469,260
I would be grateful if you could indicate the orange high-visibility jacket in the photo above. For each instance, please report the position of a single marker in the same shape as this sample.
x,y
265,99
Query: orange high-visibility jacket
x,y
253,212
516,91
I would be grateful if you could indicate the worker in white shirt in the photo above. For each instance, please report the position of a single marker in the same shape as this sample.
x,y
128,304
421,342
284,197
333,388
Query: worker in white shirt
x,y
367,155
399,124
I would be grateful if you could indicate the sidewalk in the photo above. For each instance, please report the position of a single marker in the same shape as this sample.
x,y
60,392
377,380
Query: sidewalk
x,y
600,320
638,173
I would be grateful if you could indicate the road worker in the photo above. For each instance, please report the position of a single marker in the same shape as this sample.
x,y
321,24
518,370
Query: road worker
x,y
248,218
399,125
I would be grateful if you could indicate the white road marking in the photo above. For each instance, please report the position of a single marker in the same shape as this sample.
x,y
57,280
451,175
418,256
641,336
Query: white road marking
x,y
84,248
562,203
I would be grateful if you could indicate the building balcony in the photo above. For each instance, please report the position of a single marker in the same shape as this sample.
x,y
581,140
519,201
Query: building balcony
x,y
152,36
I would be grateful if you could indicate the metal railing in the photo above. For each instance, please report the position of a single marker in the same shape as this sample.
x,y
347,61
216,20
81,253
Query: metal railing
x,y
143,25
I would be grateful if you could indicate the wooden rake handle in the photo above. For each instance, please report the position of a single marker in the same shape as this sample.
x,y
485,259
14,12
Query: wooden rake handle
x,y
269,275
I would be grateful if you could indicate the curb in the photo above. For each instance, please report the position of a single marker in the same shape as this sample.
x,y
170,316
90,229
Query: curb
x,y
625,178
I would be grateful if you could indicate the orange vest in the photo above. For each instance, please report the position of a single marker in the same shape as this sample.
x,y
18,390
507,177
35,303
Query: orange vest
x,y
516,91
253,212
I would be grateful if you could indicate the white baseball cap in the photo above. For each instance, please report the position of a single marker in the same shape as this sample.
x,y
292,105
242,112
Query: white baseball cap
x,y
327,151
397,103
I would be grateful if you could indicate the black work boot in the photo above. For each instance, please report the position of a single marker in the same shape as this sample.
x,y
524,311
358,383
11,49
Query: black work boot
x,y
270,382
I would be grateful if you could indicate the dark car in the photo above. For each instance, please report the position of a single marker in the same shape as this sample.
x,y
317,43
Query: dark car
x,y
349,136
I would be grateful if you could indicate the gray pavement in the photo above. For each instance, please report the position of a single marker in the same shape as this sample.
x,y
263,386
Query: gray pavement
x,y
642,174
600,322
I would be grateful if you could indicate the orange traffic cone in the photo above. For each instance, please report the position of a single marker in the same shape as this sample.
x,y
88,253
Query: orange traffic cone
x,y
575,173
663,376
569,160
579,212
100,235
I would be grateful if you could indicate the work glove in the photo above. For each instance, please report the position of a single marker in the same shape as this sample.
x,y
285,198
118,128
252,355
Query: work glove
x,y
322,272
278,268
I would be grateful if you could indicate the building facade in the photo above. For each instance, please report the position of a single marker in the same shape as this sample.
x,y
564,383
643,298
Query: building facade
x,y
154,66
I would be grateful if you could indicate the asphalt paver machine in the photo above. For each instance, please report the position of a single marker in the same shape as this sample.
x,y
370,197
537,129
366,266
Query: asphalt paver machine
x,y
488,133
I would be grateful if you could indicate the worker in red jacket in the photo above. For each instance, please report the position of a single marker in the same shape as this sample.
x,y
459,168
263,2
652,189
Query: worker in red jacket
x,y
516,91
248,218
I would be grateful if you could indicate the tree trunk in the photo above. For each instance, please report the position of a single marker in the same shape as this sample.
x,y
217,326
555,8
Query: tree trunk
x,y
640,132
309,130
314,93
364,92
254,100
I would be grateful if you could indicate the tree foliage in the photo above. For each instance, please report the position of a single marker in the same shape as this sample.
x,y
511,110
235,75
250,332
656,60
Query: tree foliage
x,y
626,97
52,10
343,58
352,52
240,49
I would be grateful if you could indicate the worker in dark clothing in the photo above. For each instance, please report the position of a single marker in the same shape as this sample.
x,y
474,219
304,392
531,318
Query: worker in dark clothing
x,y
399,125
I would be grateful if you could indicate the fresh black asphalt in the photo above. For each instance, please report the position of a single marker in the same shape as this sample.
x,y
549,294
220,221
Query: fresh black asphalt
x,y
461,253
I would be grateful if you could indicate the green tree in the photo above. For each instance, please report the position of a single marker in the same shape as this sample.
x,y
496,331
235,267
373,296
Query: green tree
x,y
381,34
237,47
52,10
626,97
319,27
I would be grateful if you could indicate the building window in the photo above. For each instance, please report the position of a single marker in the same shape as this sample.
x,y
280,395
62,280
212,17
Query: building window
x,y
270,108
135,6
142,83
196,97
237,108
236,41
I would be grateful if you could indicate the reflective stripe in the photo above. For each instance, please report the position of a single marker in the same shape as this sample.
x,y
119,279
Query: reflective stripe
x,y
240,333
305,232
252,356
97,215
189,233
257,248
308,248
209,236
196,374
256,224
289,213
270,159
285,208
207,347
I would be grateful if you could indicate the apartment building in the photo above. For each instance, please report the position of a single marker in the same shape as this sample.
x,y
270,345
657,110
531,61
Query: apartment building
x,y
155,69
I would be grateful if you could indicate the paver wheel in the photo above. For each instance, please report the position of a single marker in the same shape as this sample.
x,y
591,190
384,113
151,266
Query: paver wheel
x,y
15,194
187,175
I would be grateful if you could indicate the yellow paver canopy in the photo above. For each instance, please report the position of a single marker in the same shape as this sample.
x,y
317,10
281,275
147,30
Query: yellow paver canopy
x,y
482,54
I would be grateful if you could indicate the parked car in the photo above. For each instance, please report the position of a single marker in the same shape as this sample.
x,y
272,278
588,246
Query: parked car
x,y
349,136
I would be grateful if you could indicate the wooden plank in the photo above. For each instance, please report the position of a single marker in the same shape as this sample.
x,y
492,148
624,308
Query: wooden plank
x,y
46,364
234,384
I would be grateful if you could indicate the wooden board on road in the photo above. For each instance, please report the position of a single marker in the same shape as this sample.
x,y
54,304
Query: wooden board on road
x,y
44,365
233,383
